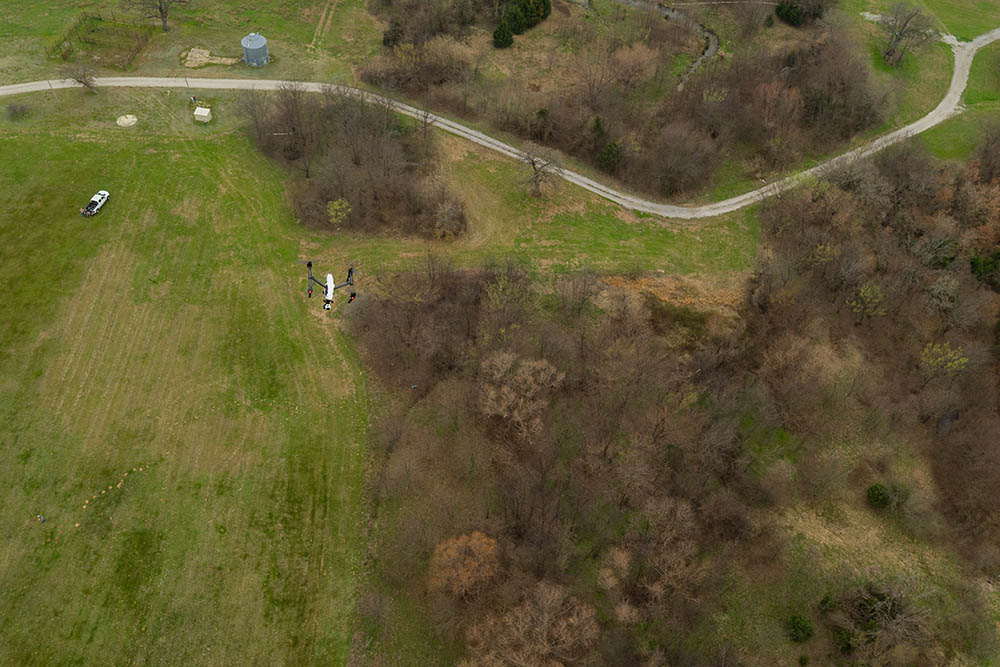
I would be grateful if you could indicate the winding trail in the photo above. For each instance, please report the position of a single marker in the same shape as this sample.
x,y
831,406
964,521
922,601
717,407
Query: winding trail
x,y
948,107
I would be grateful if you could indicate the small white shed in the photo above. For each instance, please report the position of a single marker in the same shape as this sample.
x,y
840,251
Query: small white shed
x,y
203,114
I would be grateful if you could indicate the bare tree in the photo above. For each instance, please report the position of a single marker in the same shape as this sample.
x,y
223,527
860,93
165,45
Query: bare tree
x,y
427,120
550,627
907,26
82,73
597,72
154,9
544,167
299,115
462,565
516,391
989,155
256,105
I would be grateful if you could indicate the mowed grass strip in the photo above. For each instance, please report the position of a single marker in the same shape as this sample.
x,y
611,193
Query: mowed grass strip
x,y
166,386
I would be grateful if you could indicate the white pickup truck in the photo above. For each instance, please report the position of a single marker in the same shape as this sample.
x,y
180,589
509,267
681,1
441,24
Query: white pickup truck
x,y
96,202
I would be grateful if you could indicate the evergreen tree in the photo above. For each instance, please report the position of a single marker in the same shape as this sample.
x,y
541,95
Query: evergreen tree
x,y
502,36
516,19
610,157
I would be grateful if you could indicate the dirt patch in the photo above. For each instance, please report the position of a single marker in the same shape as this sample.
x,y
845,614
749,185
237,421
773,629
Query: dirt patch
x,y
187,209
200,57
724,293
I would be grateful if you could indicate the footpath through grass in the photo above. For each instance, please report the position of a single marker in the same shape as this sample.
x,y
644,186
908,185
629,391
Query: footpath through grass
x,y
190,427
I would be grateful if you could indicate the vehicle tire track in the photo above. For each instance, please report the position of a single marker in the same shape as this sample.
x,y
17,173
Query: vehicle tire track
x,y
325,19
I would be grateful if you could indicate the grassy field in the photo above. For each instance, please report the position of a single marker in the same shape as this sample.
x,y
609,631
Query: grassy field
x,y
166,386
191,428
307,39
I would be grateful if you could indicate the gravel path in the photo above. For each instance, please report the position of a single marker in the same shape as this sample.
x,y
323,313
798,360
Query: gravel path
x,y
949,106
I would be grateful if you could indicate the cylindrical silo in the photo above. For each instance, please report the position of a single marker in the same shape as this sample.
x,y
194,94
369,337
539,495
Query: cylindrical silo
x,y
254,49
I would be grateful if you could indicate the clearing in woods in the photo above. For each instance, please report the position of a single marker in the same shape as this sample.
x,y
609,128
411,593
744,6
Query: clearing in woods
x,y
191,434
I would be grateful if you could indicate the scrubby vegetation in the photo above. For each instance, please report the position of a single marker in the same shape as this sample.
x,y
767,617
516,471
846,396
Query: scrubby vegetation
x,y
363,168
578,471
601,86
416,22
915,228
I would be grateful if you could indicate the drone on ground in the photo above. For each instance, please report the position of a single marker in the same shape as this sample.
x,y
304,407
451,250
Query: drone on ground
x,y
329,287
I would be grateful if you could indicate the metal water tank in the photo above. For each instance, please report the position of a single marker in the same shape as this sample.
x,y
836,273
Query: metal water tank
x,y
254,49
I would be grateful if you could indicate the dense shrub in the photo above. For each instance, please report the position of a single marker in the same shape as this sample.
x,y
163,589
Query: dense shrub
x,y
798,628
930,268
524,14
17,111
890,497
394,34
797,12
611,157
986,268
843,639
680,158
878,496
790,12
503,36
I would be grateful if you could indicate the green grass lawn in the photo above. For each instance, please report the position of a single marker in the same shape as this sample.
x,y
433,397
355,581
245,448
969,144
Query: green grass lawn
x,y
958,138
984,77
189,425
966,19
